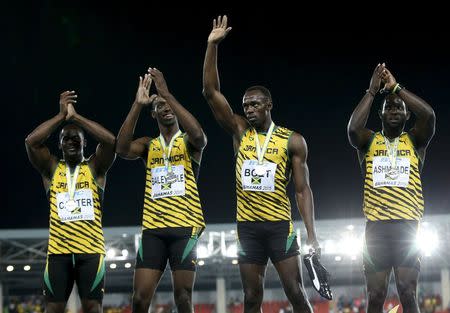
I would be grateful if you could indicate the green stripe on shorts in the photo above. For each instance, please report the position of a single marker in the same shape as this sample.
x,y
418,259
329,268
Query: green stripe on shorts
x,y
100,272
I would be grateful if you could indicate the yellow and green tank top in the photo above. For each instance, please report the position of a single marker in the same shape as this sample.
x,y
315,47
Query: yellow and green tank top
x,y
390,196
78,230
170,203
262,197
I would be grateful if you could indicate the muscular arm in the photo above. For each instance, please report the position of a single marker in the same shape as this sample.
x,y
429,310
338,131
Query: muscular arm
x,y
303,194
38,153
227,119
126,147
358,135
424,128
195,135
104,155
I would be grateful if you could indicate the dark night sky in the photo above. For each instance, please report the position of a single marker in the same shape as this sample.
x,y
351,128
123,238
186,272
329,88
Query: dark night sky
x,y
317,72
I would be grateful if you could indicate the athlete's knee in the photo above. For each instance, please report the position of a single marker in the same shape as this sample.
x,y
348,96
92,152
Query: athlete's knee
x,y
141,300
183,299
91,306
253,297
296,296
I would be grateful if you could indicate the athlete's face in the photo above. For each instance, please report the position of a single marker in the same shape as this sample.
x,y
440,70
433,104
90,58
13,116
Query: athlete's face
x,y
72,142
394,113
162,112
256,107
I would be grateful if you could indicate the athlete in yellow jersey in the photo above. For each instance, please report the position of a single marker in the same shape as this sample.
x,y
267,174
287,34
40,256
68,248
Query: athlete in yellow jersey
x,y
392,161
172,216
74,187
266,157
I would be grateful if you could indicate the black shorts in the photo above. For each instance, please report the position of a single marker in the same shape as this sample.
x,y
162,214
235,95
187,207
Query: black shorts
x,y
62,270
390,244
176,244
259,241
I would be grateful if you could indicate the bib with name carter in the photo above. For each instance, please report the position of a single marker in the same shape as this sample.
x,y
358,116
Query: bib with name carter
x,y
75,215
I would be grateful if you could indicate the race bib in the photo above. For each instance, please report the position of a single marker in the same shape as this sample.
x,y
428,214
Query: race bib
x,y
383,175
82,211
255,178
166,184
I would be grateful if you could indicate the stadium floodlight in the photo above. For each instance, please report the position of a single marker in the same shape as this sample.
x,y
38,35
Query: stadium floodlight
x,y
111,253
10,268
329,247
202,252
113,265
350,244
427,241
231,251
201,263
27,268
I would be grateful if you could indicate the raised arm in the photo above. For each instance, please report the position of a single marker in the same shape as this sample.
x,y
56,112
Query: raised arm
x,y
425,124
38,153
104,155
299,152
195,135
234,124
358,135
126,147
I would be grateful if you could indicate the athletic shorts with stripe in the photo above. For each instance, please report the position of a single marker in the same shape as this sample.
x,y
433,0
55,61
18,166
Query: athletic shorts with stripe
x,y
174,244
63,270
259,241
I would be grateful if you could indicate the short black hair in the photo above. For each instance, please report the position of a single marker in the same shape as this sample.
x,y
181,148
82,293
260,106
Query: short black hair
x,y
261,89
391,96
71,125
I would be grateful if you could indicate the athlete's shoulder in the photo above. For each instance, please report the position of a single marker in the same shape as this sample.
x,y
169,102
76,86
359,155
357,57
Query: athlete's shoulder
x,y
246,132
183,136
377,138
297,144
407,136
296,138
409,140
151,142
60,165
283,132
59,169
282,129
